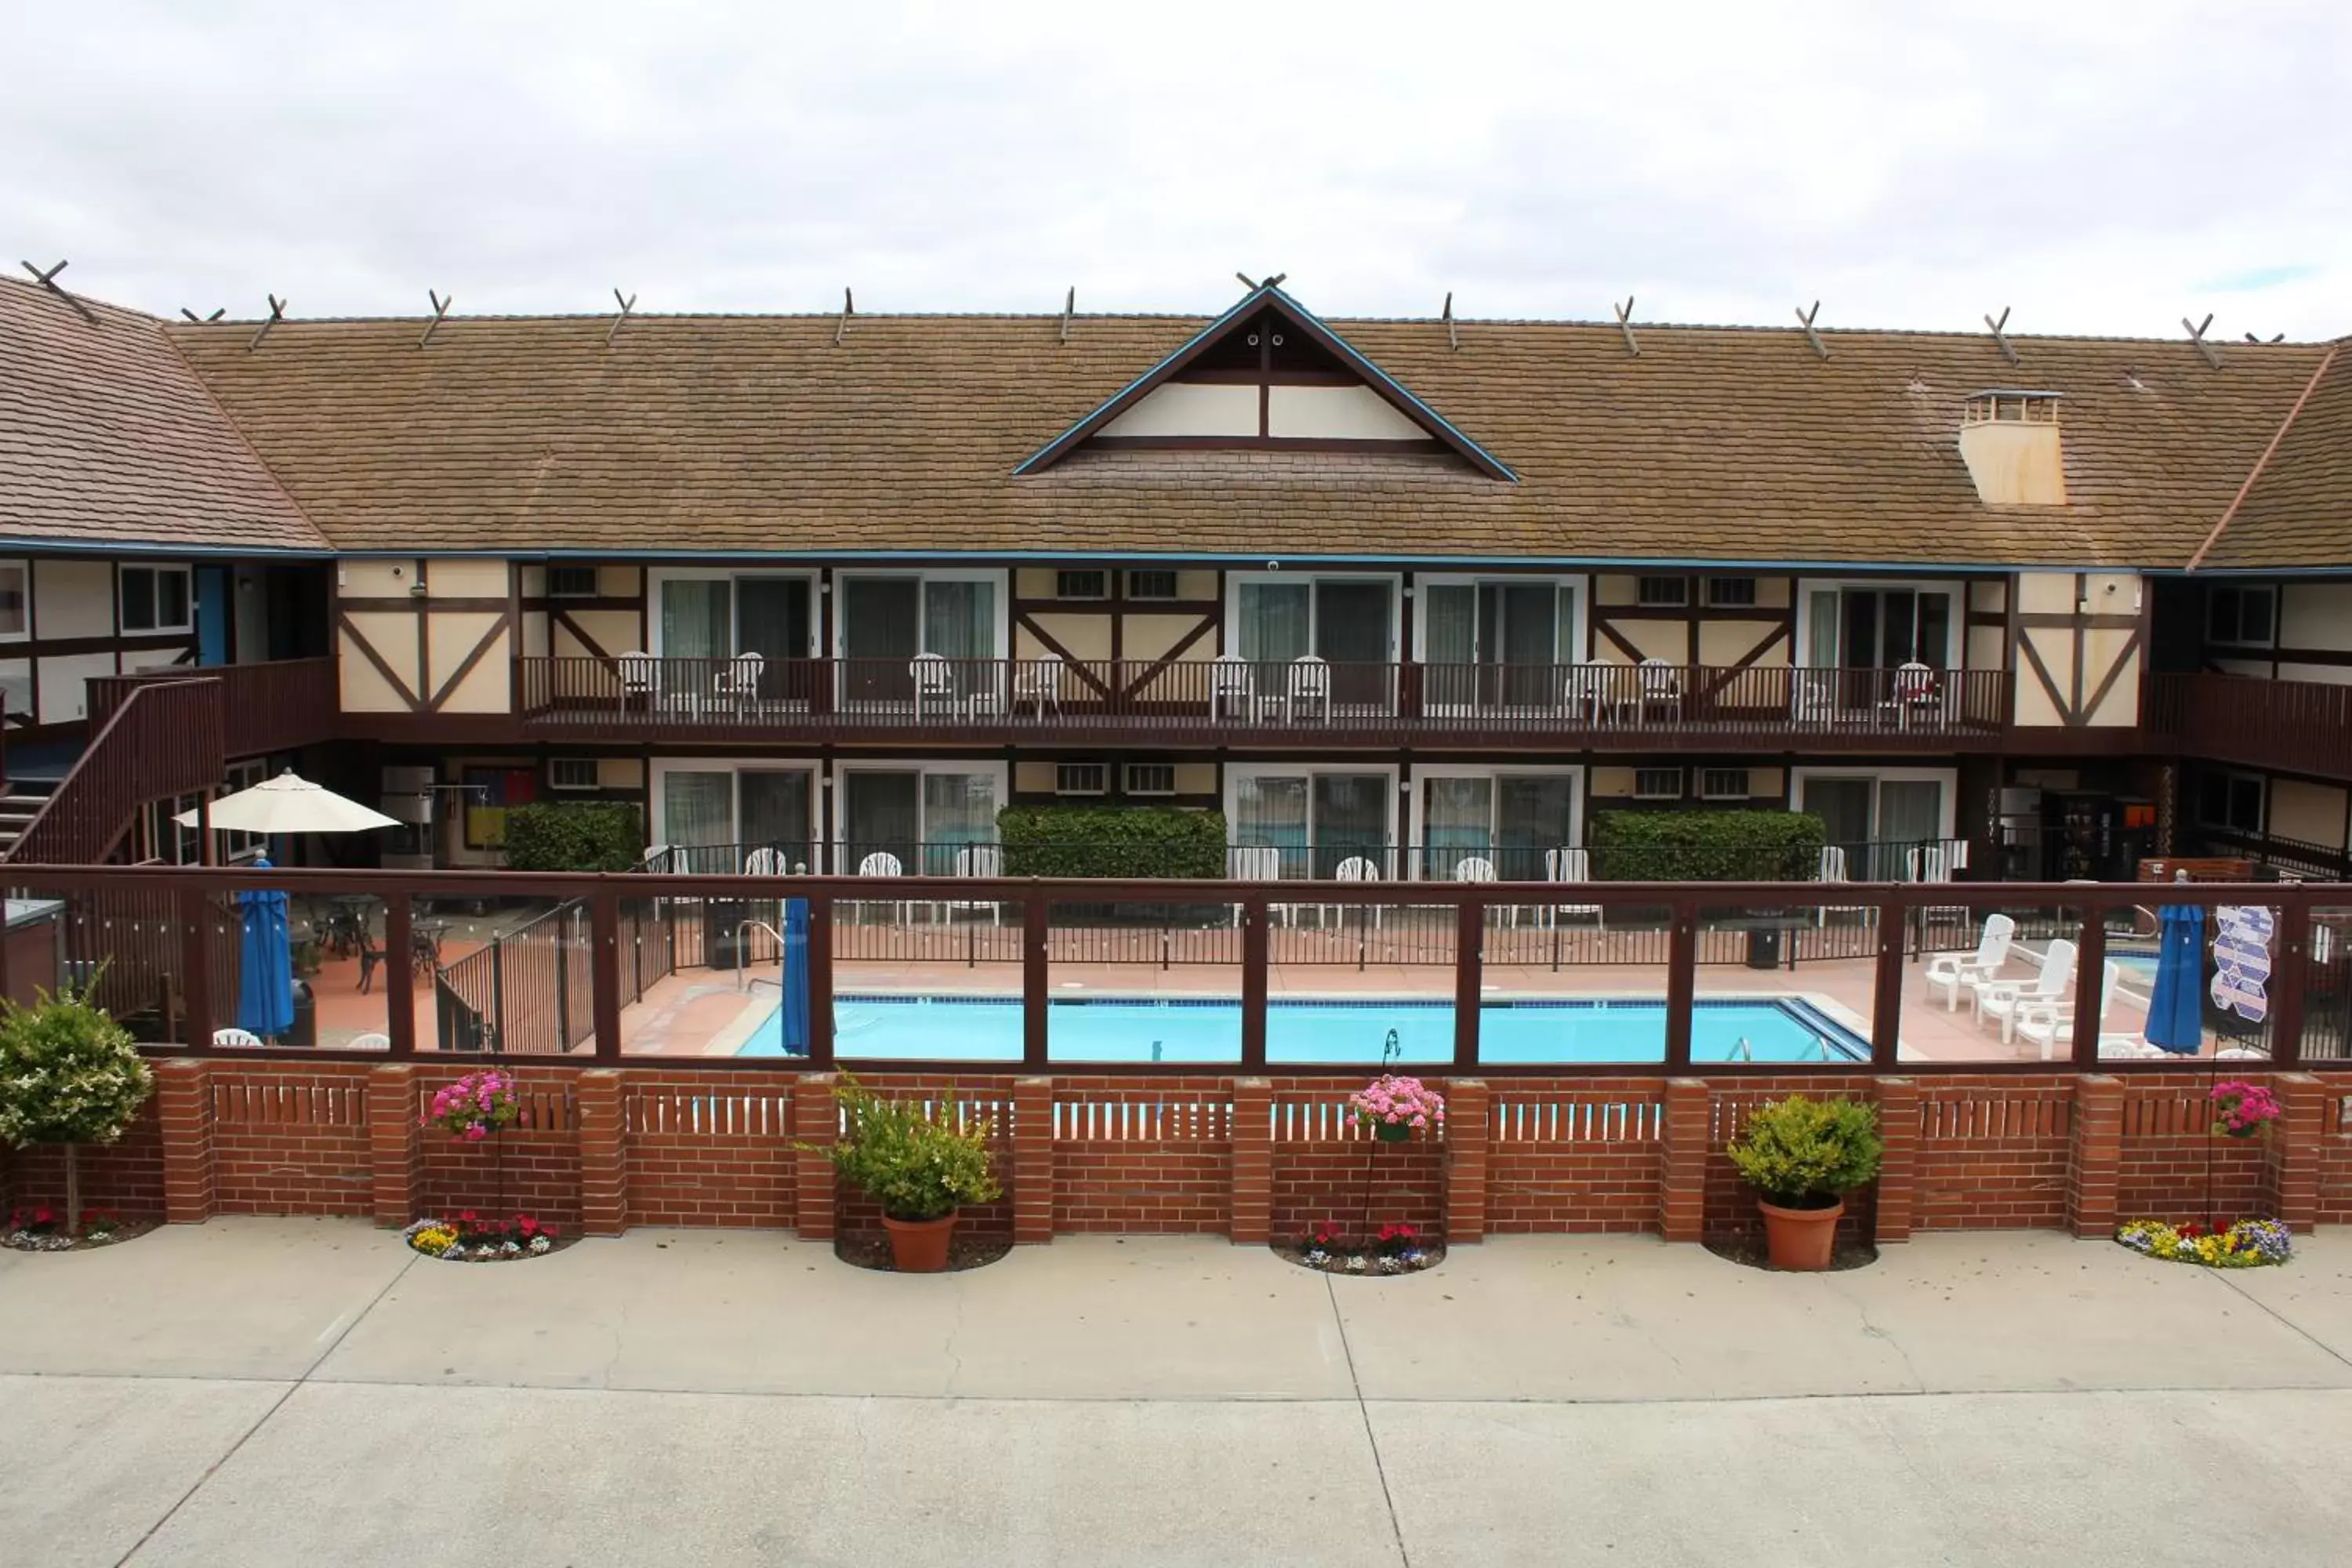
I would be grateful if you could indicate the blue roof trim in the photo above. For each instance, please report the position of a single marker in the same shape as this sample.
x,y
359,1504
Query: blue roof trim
x,y
20,545
1358,561
1397,391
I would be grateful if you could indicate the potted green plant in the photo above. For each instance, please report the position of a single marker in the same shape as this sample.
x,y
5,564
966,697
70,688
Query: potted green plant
x,y
68,1074
1802,1157
921,1167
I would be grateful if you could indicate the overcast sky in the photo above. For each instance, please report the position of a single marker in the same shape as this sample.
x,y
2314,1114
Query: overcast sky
x,y
2098,169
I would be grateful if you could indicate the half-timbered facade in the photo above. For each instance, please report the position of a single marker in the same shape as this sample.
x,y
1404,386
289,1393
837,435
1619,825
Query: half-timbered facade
x,y
1421,592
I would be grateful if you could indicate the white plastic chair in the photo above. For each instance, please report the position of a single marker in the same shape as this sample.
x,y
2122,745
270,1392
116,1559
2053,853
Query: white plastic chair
x,y
236,1040
374,1041
1473,868
934,677
2050,1026
1660,687
639,672
1812,697
1355,868
1956,972
1261,863
882,863
1571,866
765,861
1310,684
1232,684
980,861
1917,697
1038,682
738,680
1584,691
2005,999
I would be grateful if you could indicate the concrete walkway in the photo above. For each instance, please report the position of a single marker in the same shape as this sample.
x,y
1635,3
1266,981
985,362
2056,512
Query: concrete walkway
x,y
266,1391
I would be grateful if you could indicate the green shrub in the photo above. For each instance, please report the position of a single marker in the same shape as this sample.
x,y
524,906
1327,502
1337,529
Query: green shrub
x,y
1803,1153
572,835
69,1074
916,1166
1707,847
1134,843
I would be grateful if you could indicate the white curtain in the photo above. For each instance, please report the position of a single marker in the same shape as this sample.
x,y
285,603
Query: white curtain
x,y
1276,623
698,813
695,620
1457,817
959,619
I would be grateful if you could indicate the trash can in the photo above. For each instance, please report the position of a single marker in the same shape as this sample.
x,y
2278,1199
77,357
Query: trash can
x,y
1764,947
303,1034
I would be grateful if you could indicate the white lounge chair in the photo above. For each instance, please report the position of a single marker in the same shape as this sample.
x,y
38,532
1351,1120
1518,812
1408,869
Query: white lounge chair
x,y
1038,682
765,861
236,1040
1956,971
1310,686
2004,999
1571,866
2050,1025
980,861
1833,867
934,678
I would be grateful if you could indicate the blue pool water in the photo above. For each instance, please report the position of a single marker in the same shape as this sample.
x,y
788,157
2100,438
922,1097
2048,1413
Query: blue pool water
x,y
1114,1029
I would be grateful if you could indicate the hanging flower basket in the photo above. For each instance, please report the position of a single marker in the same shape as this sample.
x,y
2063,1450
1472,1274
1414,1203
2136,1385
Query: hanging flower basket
x,y
2245,1109
1396,1108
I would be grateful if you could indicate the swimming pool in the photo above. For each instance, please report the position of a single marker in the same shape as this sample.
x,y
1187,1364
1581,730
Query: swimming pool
x,y
1209,1030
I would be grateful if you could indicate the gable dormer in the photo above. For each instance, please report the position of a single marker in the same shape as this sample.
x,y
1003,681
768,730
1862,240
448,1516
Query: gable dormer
x,y
1267,376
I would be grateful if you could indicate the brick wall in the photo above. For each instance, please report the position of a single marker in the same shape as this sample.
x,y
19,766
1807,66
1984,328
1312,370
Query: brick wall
x,y
290,1139
1993,1151
1141,1156
1204,1154
1573,1156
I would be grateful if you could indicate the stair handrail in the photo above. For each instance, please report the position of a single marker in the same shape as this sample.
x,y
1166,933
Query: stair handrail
x,y
176,723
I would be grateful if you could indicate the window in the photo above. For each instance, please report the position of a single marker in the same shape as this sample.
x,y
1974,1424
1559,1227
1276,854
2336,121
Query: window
x,y
155,599
1668,592
572,582
2230,801
2241,615
15,624
1081,778
1082,584
1723,784
1151,778
1731,593
572,773
1152,584
1657,783
243,845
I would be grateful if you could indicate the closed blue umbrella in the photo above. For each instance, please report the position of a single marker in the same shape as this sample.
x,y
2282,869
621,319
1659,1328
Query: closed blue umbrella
x,y
265,988
796,977
2175,1009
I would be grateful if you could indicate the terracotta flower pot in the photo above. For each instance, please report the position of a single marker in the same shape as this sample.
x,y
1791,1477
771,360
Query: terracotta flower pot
x,y
919,1246
1800,1240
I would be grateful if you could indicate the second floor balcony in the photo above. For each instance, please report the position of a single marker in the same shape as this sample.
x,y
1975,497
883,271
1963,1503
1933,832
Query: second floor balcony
x,y
1229,701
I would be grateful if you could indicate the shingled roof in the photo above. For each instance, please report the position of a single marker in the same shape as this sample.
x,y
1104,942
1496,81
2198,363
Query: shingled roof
x,y
2298,512
740,434
107,438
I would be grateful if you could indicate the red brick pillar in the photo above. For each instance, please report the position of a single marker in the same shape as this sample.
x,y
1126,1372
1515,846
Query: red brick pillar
x,y
2291,1167
604,1170
2097,1157
1252,1201
1687,1113
1468,1131
183,1106
1898,1166
1033,1160
814,1120
396,1143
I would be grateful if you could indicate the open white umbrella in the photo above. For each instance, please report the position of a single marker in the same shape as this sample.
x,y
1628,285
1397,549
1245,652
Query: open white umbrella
x,y
289,804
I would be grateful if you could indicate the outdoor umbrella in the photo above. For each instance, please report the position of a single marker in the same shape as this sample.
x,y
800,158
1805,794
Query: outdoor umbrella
x,y
289,804
796,977
2176,1014
265,985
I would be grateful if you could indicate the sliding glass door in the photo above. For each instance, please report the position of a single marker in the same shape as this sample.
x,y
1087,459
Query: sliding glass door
x,y
1511,821
928,819
1306,822
715,816
1878,822
1349,623
1496,644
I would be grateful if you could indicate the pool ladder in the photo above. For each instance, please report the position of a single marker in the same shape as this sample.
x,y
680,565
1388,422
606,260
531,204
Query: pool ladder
x,y
744,979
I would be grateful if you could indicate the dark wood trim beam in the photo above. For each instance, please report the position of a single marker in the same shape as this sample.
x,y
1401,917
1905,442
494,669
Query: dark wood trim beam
x,y
1265,443
473,657
343,627
414,604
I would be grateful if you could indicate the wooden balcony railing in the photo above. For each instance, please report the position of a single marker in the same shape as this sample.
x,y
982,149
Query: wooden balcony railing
x,y
163,739
1214,700
2302,726
273,707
